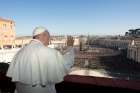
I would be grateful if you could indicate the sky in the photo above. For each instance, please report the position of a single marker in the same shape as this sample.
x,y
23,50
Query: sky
x,y
73,17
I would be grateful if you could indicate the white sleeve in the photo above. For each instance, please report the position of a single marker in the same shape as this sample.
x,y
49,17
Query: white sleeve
x,y
69,58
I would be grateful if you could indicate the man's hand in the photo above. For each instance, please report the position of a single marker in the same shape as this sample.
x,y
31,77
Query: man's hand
x,y
70,41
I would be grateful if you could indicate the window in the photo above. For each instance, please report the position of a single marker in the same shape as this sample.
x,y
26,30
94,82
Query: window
x,y
12,36
5,36
11,27
4,26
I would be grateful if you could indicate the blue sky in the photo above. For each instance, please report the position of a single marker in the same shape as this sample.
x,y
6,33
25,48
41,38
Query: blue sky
x,y
96,17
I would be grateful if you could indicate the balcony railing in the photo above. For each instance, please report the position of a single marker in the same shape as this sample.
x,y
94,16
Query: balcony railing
x,y
82,84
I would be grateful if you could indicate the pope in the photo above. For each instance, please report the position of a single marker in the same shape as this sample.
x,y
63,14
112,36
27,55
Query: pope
x,y
36,68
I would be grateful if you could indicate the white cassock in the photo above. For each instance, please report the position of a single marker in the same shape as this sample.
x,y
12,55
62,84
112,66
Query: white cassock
x,y
37,68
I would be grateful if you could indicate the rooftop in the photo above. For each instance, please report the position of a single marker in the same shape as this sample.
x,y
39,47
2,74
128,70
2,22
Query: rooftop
x,y
8,20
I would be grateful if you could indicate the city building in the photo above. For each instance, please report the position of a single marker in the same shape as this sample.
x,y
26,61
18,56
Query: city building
x,y
55,41
133,52
22,41
132,47
8,37
7,33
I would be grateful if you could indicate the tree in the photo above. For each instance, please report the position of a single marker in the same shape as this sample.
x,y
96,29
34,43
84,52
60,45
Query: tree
x,y
134,32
